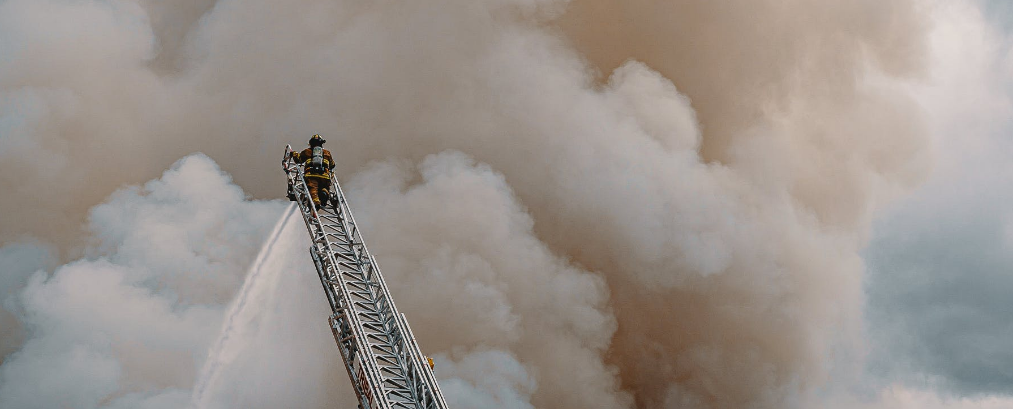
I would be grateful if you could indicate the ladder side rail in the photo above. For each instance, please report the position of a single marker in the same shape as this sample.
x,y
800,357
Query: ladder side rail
x,y
359,251
405,345
388,329
420,367
377,395
430,378
339,326
389,312
358,383
325,282
370,270
389,309
365,359
297,181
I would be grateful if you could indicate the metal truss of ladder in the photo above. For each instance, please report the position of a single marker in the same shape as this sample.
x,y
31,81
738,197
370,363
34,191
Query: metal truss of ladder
x,y
383,360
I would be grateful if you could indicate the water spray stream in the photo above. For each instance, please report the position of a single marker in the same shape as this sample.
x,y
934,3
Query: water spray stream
x,y
223,350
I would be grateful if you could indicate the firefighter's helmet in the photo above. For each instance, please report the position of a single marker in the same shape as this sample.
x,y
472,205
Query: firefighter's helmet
x,y
317,140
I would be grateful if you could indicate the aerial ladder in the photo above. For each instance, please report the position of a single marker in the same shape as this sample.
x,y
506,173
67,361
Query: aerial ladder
x,y
383,360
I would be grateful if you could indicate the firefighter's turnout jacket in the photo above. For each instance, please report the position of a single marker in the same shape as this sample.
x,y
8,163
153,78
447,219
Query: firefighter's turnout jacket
x,y
306,156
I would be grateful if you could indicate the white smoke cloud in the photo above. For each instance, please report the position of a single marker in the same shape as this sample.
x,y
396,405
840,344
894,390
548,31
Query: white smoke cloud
x,y
17,263
461,257
487,379
136,316
190,229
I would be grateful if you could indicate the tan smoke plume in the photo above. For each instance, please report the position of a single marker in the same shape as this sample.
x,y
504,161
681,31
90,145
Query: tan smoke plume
x,y
593,204
783,86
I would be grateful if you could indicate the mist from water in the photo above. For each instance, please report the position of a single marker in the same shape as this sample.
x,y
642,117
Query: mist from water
x,y
243,311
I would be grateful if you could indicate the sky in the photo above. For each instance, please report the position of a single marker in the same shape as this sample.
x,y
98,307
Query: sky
x,y
938,263
578,203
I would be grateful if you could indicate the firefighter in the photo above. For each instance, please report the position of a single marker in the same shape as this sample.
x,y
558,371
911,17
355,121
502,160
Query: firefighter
x,y
317,165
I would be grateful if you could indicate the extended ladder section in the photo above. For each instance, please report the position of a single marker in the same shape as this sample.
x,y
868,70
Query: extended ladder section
x,y
383,360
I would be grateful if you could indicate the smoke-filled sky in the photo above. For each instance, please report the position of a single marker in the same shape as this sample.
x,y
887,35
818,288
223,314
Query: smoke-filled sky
x,y
658,204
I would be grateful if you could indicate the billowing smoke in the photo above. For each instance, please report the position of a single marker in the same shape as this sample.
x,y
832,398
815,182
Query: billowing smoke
x,y
580,204
135,317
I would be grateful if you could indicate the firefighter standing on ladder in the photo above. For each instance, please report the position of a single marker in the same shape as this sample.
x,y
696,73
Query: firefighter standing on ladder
x,y
317,164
